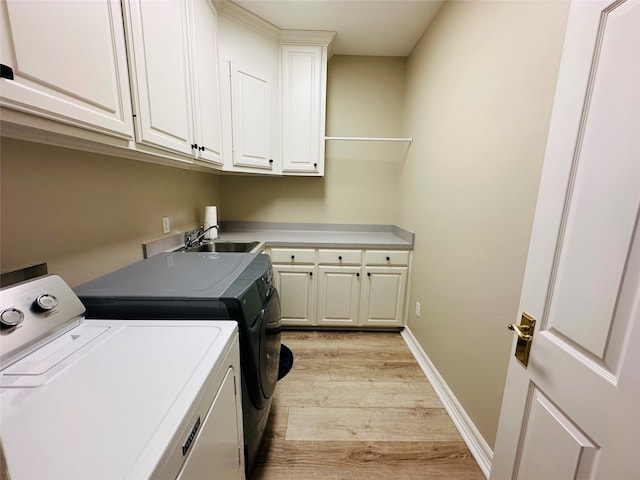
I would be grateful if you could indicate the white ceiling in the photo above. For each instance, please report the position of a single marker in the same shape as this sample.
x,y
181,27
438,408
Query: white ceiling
x,y
364,27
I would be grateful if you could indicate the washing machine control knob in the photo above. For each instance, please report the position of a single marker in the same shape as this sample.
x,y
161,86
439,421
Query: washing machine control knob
x,y
45,302
11,317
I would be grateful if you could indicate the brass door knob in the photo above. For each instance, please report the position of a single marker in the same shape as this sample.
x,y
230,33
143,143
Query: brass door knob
x,y
521,330
525,337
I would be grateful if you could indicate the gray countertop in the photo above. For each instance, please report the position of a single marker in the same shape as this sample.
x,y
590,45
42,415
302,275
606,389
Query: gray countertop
x,y
310,235
318,235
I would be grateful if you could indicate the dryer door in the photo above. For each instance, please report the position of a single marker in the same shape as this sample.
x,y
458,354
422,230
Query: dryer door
x,y
270,344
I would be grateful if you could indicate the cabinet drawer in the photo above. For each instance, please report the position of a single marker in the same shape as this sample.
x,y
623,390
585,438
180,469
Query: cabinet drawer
x,y
293,255
339,257
387,257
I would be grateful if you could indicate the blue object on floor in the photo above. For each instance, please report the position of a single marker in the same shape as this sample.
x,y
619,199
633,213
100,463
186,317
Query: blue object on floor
x,y
286,361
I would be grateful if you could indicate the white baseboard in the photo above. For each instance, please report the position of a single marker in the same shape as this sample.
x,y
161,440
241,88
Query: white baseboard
x,y
470,434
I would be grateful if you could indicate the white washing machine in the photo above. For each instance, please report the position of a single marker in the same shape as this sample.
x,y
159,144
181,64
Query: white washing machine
x,y
103,399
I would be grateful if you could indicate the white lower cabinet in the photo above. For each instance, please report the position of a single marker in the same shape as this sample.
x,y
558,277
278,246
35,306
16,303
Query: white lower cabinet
x,y
383,296
353,289
384,287
297,288
338,296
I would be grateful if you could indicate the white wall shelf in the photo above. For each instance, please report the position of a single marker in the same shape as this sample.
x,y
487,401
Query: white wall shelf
x,y
372,139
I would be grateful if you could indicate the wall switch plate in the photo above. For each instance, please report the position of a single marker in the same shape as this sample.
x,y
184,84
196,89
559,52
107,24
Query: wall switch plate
x,y
165,225
418,309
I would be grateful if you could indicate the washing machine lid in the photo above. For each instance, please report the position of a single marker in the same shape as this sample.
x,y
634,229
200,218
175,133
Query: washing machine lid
x,y
176,275
109,399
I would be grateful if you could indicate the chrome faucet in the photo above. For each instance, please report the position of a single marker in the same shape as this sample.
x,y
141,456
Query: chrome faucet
x,y
195,236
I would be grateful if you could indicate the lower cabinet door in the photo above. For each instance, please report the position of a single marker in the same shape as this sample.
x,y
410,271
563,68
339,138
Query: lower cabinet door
x,y
296,285
383,296
338,295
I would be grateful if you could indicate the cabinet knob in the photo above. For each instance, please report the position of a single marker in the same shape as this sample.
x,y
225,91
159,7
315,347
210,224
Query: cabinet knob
x,y
315,165
194,145
6,72
311,274
293,257
357,274
271,160
340,258
368,274
388,258
201,148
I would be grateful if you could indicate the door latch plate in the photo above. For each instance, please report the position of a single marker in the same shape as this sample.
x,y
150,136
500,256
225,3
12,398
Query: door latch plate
x,y
525,337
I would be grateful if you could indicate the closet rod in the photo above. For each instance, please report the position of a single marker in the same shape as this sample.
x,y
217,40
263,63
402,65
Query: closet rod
x,y
372,139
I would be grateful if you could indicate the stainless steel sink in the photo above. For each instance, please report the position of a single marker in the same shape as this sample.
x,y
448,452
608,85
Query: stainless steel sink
x,y
223,247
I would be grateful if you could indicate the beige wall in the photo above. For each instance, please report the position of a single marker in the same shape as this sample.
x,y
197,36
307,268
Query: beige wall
x,y
478,98
86,214
364,98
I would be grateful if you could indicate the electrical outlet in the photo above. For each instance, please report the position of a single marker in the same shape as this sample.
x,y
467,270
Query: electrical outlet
x,y
165,225
418,309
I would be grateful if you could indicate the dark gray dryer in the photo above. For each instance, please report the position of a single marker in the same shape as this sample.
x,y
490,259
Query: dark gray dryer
x,y
215,286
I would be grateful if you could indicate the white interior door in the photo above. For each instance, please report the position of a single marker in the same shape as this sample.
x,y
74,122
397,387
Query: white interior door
x,y
573,412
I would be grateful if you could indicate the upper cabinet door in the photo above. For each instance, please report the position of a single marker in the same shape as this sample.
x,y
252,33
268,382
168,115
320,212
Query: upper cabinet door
x,y
251,117
206,81
69,63
160,73
303,108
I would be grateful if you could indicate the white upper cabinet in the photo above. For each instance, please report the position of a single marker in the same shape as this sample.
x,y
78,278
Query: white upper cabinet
x,y
159,51
174,76
207,82
276,95
250,92
304,87
69,63
167,81
251,118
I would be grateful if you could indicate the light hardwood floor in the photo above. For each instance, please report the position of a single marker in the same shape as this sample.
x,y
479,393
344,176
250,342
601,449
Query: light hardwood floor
x,y
357,406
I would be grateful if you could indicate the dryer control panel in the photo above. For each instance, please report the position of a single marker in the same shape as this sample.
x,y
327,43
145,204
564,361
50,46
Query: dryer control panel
x,y
33,311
